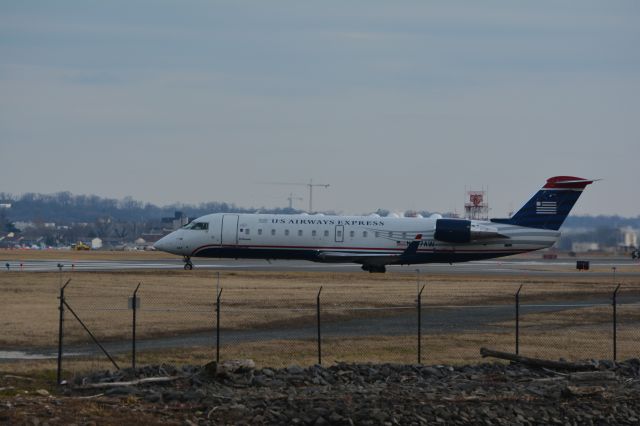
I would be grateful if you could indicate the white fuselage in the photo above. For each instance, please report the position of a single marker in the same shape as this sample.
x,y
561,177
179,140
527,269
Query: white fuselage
x,y
359,239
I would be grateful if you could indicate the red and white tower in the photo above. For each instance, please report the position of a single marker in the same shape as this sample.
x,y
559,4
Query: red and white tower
x,y
477,206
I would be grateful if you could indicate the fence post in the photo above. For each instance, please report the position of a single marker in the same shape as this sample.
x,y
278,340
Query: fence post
x,y
113,361
218,326
518,320
134,306
615,324
318,323
420,325
60,331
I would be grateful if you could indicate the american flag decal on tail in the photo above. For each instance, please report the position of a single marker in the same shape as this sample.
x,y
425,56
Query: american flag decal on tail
x,y
546,207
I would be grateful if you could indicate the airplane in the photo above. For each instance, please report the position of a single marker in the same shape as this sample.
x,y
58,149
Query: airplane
x,y
375,242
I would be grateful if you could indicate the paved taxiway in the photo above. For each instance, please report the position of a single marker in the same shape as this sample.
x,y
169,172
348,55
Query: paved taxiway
x,y
565,267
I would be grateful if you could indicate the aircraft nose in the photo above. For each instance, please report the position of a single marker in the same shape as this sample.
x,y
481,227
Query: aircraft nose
x,y
163,243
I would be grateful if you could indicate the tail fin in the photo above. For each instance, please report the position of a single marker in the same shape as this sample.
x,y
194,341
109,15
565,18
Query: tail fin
x,y
551,205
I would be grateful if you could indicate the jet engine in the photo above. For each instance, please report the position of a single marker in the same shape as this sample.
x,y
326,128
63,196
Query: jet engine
x,y
453,231
460,231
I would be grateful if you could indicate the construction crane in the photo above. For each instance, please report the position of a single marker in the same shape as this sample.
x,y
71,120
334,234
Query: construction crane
x,y
309,185
291,198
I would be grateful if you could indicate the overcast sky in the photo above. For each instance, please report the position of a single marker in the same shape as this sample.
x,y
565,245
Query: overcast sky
x,y
396,104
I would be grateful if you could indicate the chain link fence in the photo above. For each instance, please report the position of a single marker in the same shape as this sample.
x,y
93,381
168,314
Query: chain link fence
x,y
307,323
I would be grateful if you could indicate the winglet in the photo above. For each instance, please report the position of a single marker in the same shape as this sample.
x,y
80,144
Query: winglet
x,y
413,246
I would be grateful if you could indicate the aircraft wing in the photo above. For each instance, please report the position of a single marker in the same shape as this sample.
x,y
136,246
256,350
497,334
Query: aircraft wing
x,y
370,258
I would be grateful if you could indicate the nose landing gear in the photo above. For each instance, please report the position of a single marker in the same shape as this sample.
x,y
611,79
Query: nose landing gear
x,y
187,263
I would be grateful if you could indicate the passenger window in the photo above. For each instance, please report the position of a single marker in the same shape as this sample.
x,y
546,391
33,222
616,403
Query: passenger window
x,y
259,231
246,231
377,234
326,233
299,232
273,232
286,232
364,234
404,235
313,233
351,233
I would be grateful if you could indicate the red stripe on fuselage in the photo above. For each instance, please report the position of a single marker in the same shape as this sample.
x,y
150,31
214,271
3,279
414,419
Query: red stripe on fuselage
x,y
393,250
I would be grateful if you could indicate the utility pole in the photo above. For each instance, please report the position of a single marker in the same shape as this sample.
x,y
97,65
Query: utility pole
x,y
309,185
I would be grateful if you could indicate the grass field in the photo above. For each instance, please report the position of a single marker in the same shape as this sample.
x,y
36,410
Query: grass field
x,y
179,302
13,255
450,349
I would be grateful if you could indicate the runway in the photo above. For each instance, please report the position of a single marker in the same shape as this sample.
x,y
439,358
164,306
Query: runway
x,y
564,267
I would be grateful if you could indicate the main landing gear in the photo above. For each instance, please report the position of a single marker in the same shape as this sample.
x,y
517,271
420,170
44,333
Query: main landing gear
x,y
374,268
187,263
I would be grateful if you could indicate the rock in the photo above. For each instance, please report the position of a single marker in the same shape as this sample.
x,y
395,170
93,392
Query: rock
x,y
320,421
169,396
260,380
385,394
210,369
335,418
236,366
268,372
121,391
153,397
43,392
295,369
194,395
593,376
582,390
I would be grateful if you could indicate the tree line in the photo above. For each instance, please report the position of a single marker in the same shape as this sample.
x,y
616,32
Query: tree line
x,y
86,216
67,208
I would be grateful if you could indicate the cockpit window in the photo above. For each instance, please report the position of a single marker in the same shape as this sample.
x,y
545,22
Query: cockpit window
x,y
201,226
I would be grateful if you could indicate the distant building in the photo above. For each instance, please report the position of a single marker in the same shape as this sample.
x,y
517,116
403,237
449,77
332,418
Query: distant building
x,y
152,237
5,205
629,237
22,226
584,247
172,223
96,244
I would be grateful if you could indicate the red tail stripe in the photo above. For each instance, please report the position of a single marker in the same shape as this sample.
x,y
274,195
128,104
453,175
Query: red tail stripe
x,y
567,182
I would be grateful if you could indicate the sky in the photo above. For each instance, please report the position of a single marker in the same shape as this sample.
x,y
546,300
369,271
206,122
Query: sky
x,y
401,105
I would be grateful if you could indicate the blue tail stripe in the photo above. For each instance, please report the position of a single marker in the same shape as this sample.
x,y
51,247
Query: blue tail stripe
x,y
546,210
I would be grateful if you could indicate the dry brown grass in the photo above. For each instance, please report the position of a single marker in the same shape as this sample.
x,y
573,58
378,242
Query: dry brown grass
x,y
71,255
451,349
176,302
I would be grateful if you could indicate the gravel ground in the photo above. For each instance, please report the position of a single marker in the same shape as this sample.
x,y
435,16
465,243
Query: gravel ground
x,y
365,394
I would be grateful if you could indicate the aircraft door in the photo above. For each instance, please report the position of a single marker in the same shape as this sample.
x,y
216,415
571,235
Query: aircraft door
x,y
229,234
339,233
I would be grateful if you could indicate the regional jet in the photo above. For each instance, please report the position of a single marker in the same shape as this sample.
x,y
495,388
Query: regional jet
x,y
375,242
